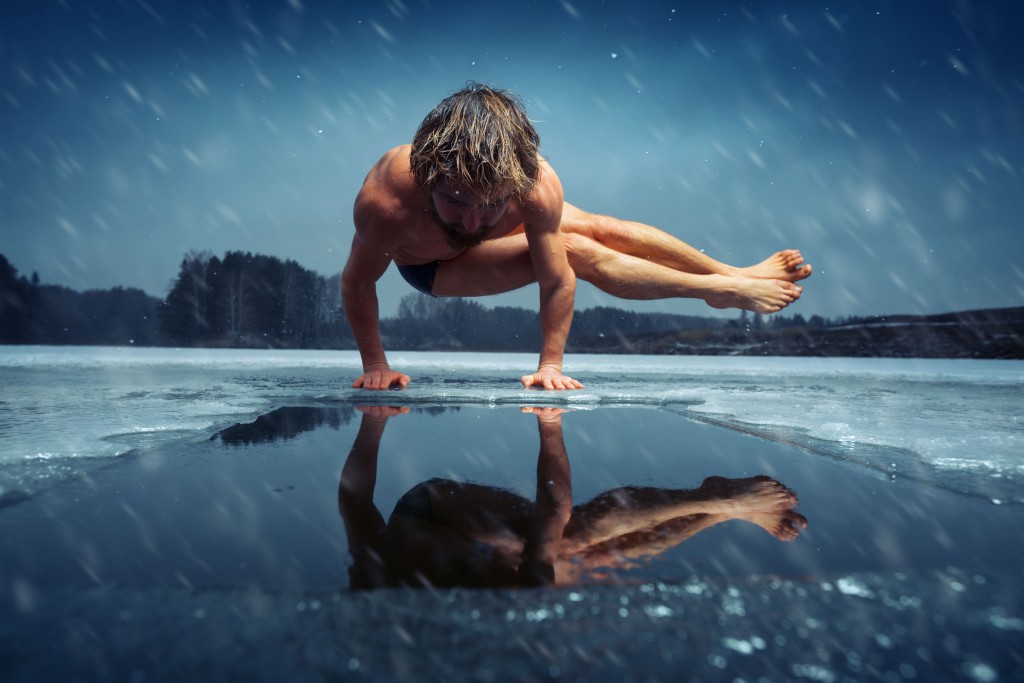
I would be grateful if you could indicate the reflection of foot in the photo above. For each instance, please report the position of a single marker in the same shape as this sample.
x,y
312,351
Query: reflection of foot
x,y
759,500
784,525
783,265
753,495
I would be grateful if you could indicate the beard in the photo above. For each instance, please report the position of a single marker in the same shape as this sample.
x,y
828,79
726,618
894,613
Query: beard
x,y
456,236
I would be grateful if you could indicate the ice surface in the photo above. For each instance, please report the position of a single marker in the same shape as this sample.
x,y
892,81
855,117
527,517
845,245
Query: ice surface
x,y
956,424
911,627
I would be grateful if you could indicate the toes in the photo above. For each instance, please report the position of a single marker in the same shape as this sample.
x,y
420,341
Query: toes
x,y
795,520
791,257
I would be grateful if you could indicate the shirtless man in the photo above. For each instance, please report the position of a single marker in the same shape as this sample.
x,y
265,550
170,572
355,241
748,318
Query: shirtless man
x,y
471,209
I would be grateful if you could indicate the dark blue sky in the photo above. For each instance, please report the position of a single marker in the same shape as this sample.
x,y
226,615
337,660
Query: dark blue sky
x,y
884,139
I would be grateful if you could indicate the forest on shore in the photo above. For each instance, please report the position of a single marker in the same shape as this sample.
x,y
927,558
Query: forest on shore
x,y
244,300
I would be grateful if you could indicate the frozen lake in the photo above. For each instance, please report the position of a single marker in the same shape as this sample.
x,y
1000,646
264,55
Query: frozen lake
x,y
165,509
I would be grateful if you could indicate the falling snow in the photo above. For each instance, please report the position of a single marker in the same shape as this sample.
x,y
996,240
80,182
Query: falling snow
x,y
836,130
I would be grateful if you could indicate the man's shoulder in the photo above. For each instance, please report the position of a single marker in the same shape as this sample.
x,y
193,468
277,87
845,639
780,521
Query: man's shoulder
x,y
544,203
387,193
392,169
389,178
397,155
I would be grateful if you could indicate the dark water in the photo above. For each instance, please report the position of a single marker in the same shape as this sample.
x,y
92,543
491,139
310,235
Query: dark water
x,y
611,544
324,498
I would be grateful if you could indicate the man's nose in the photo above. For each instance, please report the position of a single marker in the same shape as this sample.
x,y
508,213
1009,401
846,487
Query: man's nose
x,y
471,220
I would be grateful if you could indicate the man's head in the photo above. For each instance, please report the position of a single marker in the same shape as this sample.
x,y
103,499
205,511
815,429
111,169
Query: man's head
x,y
480,141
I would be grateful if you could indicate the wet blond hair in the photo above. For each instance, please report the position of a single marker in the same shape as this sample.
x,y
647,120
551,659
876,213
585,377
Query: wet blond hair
x,y
479,139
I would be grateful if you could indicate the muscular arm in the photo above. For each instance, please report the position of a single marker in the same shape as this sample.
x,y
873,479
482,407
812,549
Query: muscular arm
x,y
557,287
557,293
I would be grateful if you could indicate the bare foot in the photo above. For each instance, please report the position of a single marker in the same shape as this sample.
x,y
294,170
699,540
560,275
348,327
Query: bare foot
x,y
785,265
758,295
784,525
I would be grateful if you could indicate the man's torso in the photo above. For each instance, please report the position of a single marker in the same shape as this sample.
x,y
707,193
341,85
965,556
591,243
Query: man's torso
x,y
395,213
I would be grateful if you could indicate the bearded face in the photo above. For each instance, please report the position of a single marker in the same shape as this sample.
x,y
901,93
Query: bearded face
x,y
464,222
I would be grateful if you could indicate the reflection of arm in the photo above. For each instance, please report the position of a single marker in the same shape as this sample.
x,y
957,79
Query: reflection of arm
x,y
364,525
553,506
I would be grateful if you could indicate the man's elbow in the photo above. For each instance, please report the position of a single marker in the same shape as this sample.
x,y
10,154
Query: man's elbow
x,y
357,298
565,284
353,284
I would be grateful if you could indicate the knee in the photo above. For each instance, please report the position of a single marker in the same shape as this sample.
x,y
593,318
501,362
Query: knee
x,y
576,244
578,222
583,252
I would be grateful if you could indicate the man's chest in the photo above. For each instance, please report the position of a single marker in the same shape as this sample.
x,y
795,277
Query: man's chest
x,y
426,241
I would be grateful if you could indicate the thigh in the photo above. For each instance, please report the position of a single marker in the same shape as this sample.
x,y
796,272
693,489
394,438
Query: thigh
x,y
578,221
492,267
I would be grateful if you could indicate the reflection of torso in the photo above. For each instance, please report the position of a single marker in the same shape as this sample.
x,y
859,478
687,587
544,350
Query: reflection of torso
x,y
430,543
426,552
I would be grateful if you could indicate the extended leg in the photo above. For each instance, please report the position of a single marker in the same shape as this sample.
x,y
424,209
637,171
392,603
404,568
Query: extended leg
x,y
652,244
632,277
504,264
494,267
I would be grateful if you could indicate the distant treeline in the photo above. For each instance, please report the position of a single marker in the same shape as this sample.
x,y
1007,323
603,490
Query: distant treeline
x,y
242,300
256,301
34,313
993,333
253,301
427,323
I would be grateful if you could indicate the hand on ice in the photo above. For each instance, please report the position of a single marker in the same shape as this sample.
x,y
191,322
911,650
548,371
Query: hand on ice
x,y
550,378
381,378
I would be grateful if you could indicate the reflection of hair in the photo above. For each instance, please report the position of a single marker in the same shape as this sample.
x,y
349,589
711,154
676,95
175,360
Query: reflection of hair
x,y
440,553
479,139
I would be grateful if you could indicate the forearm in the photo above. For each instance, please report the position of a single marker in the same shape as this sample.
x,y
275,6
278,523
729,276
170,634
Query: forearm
x,y
556,309
361,309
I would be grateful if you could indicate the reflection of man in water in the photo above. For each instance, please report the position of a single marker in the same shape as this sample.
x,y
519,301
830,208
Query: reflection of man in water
x,y
471,209
446,533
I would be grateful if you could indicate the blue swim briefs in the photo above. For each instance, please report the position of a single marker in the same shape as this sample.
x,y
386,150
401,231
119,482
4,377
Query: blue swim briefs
x,y
421,276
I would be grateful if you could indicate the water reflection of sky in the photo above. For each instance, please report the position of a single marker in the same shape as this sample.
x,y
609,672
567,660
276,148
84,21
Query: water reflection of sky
x,y
318,498
884,139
